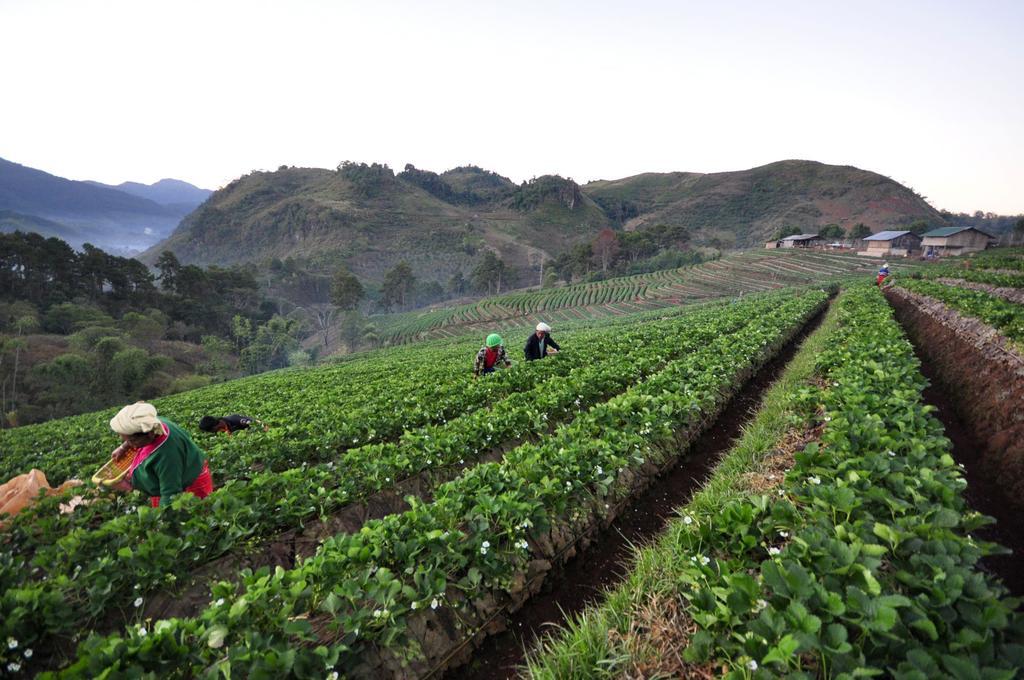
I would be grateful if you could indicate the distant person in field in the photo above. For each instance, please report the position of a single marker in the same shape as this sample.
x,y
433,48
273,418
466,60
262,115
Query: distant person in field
x,y
882,274
538,343
229,424
490,356
165,461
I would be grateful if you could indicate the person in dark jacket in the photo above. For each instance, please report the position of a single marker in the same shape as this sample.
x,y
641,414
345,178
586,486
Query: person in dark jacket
x,y
229,424
538,343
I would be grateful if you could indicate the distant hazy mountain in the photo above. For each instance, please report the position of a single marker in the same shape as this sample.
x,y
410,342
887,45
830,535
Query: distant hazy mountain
x,y
173,193
12,221
110,218
368,218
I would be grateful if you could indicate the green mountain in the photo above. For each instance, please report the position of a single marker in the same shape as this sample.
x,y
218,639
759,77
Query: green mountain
x,y
368,218
742,209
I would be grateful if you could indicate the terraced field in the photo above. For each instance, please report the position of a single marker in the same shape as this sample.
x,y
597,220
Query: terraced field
x,y
737,274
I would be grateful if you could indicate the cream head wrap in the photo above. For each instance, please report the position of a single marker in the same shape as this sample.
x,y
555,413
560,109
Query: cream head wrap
x,y
135,418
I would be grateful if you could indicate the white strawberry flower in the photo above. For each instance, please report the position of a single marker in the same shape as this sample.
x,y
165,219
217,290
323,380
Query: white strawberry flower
x,y
12,643
138,602
434,603
752,665
688,520
773,551
814,480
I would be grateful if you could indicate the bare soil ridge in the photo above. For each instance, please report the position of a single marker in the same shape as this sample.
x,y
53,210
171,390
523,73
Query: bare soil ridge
x,y
978,387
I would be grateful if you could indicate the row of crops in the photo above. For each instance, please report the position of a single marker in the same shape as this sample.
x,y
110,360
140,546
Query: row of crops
x,y
987,286
737,274
591,420
1005,316
858,561
1008,259
537,397
312,414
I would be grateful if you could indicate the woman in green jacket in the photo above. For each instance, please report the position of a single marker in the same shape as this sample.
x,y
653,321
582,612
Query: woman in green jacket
x,y
165,460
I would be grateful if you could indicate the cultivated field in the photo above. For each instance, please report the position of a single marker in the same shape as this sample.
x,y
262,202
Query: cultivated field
x,y
398,512
738,274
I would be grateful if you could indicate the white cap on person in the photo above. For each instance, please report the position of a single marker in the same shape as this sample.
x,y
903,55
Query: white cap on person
x,y
543,327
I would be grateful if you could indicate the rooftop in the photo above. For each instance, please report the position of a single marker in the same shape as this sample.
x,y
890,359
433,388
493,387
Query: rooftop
x,y
949,231
886,235
801,237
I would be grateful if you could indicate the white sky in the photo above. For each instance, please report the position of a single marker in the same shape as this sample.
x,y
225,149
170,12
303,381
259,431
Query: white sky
x,y
928,93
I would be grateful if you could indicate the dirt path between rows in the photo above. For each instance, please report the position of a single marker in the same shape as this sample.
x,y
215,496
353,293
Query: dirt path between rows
x,y
606,562
977,385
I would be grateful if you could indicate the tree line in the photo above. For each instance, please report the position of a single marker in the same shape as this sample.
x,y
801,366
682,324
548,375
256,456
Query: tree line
x,y
84,330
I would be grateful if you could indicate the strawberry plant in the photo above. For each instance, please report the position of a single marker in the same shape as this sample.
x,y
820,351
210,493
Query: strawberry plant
x,y
1005,316
864,562
95,567
474,537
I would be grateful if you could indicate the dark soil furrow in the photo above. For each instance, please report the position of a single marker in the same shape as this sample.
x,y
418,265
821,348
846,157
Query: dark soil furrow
x,y
586,576
977,387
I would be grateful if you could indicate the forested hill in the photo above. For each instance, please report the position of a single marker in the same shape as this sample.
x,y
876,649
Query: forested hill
x,y
740,209
368,217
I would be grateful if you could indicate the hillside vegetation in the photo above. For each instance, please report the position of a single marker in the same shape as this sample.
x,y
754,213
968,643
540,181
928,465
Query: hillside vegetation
x,y
369,218
740,209
737,274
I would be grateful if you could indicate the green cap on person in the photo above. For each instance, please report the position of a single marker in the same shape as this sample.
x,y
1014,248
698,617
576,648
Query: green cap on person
x,y
493,340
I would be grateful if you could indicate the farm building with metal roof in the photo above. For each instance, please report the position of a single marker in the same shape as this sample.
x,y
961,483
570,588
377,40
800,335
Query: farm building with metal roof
x,y
955,241
891,244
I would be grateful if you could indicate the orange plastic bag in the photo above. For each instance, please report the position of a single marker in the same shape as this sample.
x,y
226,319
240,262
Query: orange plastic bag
x,y
23,490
